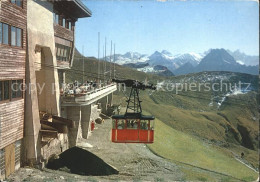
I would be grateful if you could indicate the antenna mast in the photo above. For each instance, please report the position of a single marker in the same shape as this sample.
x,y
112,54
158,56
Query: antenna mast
x,y
110,67
114,61
98,55
105,67
83,64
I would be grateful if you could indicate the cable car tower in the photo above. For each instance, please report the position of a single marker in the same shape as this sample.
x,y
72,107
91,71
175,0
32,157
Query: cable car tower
x,y
133,126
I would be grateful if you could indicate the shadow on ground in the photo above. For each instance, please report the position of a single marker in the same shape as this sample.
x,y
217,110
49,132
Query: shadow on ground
x,y
79,161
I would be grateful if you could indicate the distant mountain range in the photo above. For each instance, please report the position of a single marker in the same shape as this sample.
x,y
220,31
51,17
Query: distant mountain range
x,y
244,59
164,63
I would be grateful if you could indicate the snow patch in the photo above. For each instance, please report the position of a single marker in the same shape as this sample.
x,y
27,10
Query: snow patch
x,y
147,69
226,61
235,92
240,62
197,56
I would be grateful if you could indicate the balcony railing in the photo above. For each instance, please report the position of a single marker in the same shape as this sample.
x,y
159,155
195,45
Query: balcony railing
x,y
88,97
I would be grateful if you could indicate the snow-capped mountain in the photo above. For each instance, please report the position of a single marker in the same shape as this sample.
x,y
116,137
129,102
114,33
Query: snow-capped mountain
x,y
167,55
244,59
217,58
165,58
129,57
221,60
211,60
133,55
192,58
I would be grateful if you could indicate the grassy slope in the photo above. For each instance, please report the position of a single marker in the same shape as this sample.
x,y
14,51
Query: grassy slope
x,y
187,146
214,127
178,146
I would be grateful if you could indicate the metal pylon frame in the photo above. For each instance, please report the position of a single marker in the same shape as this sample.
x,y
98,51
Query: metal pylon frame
x,y
133,102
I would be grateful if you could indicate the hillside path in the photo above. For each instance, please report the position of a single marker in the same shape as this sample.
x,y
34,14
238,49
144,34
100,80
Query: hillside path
x,y
134,161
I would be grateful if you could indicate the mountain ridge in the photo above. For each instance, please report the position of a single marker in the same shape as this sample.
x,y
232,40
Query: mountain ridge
x,y
219,60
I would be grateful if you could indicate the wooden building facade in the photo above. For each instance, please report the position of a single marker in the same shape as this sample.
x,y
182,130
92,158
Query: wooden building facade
x,y
13,20
32,51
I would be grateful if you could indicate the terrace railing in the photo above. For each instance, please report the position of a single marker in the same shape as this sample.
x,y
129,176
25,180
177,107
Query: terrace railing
x,y
87,97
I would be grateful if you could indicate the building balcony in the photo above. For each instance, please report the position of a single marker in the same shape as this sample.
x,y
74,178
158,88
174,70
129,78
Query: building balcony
x,y
88,97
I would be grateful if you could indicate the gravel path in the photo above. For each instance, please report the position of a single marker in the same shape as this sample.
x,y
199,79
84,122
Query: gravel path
x,y
133,161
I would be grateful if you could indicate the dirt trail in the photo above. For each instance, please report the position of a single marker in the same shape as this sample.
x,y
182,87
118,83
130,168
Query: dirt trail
x,y
134,162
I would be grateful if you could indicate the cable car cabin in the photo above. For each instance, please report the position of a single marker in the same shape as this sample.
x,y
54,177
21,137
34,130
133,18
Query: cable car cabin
x,y
133,128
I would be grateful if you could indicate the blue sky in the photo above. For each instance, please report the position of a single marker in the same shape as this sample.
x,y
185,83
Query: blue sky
x,y
177,26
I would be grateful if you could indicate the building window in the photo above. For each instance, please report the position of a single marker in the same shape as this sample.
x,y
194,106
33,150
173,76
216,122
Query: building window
x,y
2,160
16,88
63,52
1,92
60,20
1,34
6,90
55,18
18,152
10,35
11,89
5,34
17,2
68,25
13,36
64,22
16,36
57,50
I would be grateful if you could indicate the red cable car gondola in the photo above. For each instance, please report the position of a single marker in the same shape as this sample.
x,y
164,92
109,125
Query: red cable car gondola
x,y
133,126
